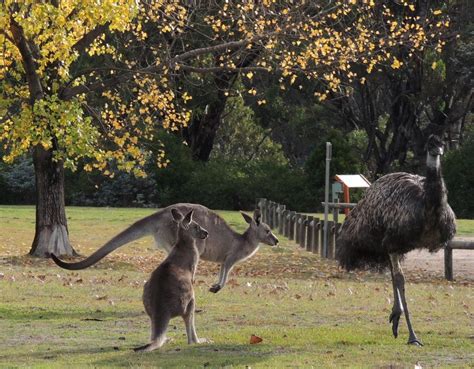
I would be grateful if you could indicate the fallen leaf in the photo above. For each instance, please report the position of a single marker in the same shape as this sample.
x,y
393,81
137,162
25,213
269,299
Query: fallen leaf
x,y
255,339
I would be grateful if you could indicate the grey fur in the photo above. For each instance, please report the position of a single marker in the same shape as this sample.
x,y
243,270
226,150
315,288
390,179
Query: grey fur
x,y
224,245
169,291
399,212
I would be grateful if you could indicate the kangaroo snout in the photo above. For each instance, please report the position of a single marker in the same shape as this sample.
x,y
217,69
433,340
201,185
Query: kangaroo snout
x,y
275,241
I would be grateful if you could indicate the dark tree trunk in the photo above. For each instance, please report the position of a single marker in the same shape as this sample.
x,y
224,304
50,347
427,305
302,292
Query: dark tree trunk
x,y
201,133
51,236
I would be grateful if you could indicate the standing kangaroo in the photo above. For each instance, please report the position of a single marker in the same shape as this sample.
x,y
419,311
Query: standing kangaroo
x,y
224,245
169,291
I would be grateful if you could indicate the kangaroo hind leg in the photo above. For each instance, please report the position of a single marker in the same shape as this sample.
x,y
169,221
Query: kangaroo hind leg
x,y
188,318
159,326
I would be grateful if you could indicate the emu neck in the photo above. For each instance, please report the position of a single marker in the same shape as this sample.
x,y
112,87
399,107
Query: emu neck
x,y
434,185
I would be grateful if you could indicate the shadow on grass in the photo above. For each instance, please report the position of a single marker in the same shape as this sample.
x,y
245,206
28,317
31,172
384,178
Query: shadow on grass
x,y
36,262
40,313
195,356
209,355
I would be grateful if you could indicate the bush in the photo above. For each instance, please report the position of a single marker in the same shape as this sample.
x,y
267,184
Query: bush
x,y
17,182
459,177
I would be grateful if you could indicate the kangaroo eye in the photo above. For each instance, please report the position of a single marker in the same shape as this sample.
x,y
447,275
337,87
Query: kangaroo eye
x,y
268,231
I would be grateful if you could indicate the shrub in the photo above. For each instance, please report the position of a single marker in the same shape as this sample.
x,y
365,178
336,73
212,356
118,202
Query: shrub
x,y
459,177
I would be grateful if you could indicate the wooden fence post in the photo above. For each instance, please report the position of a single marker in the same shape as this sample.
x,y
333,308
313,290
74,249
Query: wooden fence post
x,y
297,228
284,222
304,223
309,233
292,225
263,209
269,213
281,219
331,243
317,227
448,263
275,215
338,226
321,239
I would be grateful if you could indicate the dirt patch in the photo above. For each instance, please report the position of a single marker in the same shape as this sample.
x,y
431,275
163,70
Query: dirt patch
x,y
433,263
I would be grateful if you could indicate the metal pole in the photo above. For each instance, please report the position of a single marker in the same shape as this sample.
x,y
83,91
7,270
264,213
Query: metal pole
x,y
326,198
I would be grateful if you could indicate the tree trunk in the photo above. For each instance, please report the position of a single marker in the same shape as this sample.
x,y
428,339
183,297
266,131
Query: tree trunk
x,y
51,236
202,132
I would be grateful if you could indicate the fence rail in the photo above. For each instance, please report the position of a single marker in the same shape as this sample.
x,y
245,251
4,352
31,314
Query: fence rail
x,y
448,255
307,231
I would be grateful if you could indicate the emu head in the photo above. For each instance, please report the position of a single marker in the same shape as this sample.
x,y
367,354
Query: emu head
x,y
434,146
261,230
187,224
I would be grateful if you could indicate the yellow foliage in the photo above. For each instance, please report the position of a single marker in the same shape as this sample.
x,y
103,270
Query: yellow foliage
x,y
292,39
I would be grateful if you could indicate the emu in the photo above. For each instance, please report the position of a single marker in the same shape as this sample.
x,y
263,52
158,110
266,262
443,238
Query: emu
x,y
400,212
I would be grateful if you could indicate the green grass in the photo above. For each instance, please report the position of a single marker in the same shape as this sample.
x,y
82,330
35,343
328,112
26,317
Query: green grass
x,y
308,312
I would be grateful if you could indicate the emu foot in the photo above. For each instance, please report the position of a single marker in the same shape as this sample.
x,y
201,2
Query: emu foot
x,y
414,341
395,319
215,288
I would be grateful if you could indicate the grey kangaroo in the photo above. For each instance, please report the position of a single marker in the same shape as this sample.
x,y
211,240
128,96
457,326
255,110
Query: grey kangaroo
x,y
169,291
224,245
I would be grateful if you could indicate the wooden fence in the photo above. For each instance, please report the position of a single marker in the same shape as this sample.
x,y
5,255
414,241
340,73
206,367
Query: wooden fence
x,y
448,255
307,231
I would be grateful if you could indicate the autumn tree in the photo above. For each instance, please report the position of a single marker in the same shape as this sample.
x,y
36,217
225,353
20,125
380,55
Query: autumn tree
x,y
88,82
428,91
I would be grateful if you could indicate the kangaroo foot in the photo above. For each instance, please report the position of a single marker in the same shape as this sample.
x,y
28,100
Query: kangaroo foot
x,y
202,340
215,288
144,348
395,319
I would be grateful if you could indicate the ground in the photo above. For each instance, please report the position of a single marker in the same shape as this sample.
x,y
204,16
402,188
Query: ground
x,y
308,312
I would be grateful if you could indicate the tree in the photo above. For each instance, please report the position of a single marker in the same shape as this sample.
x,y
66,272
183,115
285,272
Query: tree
x,y
89,81
427,91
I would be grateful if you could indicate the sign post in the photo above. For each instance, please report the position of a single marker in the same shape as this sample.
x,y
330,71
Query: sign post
x,y
326,198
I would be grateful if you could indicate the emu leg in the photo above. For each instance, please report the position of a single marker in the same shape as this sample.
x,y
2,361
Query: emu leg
x,y
397,308
399,290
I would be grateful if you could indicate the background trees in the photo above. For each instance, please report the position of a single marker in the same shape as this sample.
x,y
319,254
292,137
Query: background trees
x,y
96,85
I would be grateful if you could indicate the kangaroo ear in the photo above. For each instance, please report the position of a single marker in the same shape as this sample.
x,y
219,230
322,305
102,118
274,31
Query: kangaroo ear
x,y
177,216
247,218
188,218
257,216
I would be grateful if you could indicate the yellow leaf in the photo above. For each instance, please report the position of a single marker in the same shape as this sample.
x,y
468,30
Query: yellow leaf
x,y
396,64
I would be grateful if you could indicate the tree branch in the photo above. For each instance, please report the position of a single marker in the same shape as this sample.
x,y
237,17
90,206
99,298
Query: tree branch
x,y
89,37
69,92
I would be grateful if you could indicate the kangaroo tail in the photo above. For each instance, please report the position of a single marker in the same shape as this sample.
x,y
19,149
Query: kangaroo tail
x,y
137,230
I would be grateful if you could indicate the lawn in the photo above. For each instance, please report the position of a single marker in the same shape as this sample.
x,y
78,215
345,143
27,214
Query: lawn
x,y
308,312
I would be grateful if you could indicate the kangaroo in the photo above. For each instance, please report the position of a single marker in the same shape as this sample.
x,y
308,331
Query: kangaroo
x,y
169,291
223,246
